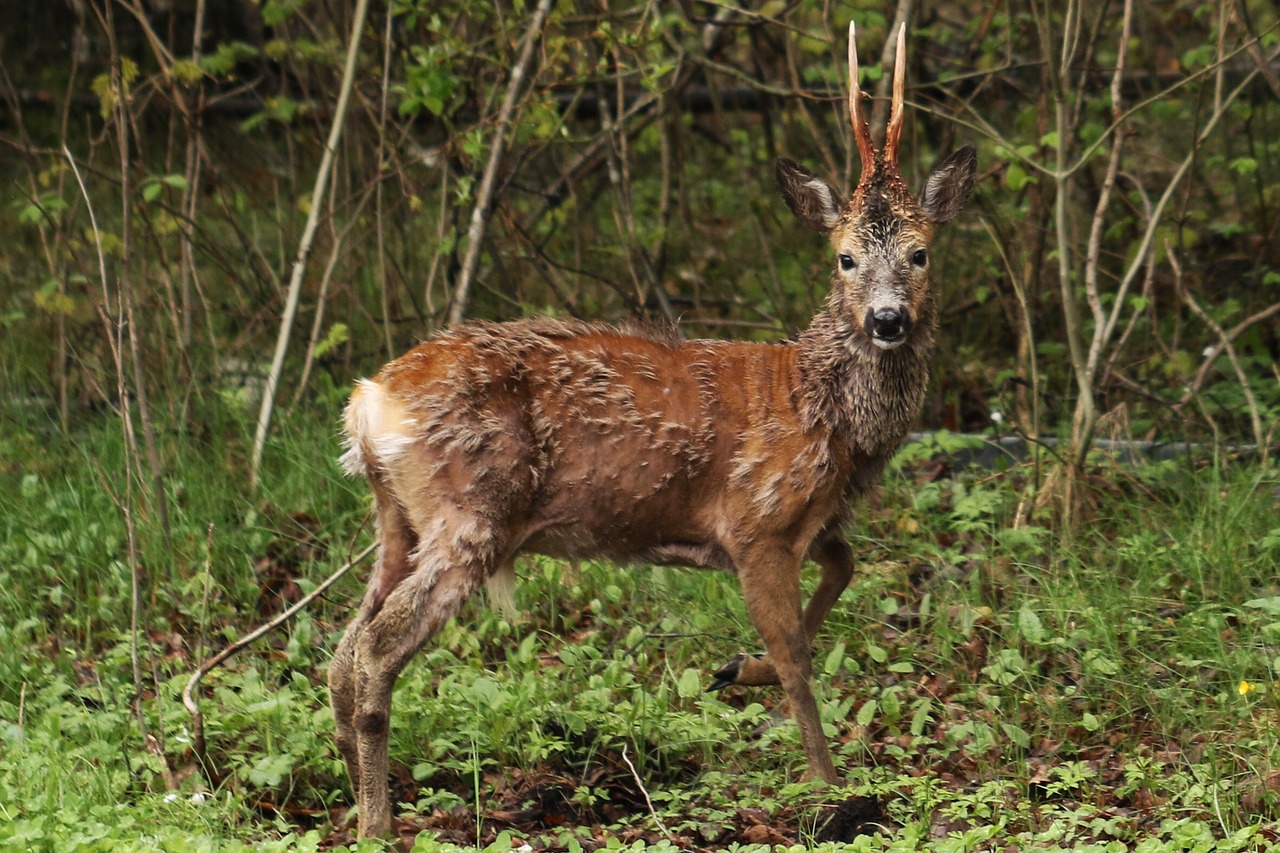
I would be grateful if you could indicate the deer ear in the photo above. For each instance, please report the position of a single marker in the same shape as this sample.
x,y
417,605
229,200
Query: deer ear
x,y
948,187
814,202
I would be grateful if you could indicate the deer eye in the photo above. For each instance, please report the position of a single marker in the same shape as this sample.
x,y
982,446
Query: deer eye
x,y
847,262
920,258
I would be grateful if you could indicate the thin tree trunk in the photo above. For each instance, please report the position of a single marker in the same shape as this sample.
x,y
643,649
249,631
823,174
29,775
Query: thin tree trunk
x,y
880,109
484,196
191,190
383,290
304,245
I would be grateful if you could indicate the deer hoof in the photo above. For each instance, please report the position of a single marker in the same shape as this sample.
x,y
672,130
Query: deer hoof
x,y
728,674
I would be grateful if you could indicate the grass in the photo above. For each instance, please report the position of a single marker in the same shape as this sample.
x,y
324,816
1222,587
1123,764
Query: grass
x,y
984,687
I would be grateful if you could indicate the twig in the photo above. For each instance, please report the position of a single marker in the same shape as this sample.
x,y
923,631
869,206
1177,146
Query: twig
x,y
1202,374
1056,72
484,195
125,506
1149,233
116,343
1097,226
377,204
1255,416
338,240
880,108
977,123
1031,435
124,281
304,245
648,802
189,697
1240,14
645,277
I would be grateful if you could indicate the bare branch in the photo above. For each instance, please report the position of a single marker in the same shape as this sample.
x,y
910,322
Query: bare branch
x,y
484,195
190,694
1255,416
304,245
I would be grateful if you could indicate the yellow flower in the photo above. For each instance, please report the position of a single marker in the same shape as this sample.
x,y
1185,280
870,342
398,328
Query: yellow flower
x,y
1246,687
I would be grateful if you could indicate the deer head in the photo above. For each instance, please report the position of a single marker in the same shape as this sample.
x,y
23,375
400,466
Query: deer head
x,y
882,235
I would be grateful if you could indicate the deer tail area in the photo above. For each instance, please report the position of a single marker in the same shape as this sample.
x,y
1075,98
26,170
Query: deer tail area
x,y
379,432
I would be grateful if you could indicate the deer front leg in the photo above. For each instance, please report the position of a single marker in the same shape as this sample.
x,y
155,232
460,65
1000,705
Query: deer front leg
x,y
835,558
770,579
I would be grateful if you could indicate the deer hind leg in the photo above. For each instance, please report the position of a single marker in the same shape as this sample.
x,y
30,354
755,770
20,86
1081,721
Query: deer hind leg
x,y
342,698
397,541
770,578
454,558
835,558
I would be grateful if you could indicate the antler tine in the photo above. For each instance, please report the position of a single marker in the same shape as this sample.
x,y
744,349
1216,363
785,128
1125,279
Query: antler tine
x,y
861,131
893,133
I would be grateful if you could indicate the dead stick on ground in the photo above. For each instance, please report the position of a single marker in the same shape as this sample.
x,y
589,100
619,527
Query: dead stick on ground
x,y
652,811
189,692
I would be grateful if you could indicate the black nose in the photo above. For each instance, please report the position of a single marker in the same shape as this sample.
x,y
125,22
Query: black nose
x,y
887,323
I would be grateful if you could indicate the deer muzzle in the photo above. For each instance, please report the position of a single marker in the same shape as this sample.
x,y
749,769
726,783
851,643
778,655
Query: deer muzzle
x,y
887,327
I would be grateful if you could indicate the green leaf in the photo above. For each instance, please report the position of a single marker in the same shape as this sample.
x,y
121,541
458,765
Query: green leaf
x,y
920,718
1270,604
1016,177
891,705
867,712
834,659
690,684
151,190
1097,662
1090,722
185,72
1030,626
270,770
31,214
1017,735
1244,165
338,335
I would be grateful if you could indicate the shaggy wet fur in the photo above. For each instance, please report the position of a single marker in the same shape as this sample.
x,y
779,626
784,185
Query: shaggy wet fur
x,y
576,440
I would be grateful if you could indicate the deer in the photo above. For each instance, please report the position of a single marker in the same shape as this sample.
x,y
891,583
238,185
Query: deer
x,y
579,439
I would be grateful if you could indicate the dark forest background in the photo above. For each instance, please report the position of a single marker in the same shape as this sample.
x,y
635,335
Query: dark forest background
x,y
218,213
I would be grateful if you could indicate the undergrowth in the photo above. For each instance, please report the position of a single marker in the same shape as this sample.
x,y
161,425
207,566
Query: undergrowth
x,y
986,685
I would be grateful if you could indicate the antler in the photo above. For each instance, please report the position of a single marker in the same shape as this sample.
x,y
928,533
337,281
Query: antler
x,y
893,133
861,131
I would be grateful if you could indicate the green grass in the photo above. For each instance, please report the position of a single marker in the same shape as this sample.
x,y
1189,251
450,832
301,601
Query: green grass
x,y
989,687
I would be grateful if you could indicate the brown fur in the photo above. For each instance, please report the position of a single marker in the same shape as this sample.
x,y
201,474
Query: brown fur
x,y
574,440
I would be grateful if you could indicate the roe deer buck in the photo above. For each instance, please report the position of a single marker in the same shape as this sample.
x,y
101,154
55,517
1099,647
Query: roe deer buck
x,y
574,439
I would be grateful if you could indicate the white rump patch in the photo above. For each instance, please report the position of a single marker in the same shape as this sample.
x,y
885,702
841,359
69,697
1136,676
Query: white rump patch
x,y
379,430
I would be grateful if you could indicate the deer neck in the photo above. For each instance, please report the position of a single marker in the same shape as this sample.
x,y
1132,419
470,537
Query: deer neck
x,y
866,396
